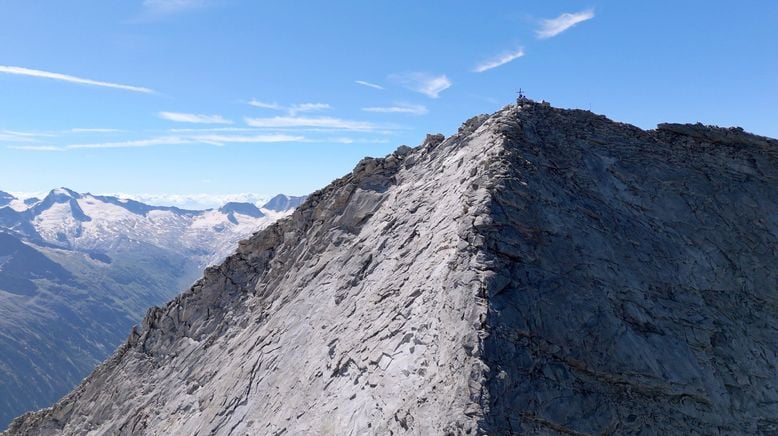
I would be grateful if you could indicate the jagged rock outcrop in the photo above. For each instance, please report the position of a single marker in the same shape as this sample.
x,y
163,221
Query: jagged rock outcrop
x,y
541,271
281,202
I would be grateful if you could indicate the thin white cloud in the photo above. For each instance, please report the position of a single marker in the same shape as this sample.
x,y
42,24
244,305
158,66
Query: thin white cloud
x,y
171,6
12,136
213,129
28,134
424,83
264,105
163,140
211,139
346,140
400,108
94,130
319,122
35,147
252,139
555,26
498,60
368,84
193,118
72,79
291,110
307,107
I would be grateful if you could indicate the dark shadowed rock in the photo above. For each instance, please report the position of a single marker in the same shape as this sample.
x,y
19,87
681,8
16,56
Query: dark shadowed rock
x,y
247,209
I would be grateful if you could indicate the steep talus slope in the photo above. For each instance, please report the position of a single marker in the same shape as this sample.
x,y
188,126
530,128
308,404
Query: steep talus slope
x,y
542,271
640,279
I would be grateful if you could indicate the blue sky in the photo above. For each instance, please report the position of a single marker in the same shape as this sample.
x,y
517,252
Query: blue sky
x,y
215,97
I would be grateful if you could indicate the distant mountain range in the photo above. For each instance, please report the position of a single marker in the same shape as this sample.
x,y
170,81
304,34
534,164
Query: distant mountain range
x,y
78,270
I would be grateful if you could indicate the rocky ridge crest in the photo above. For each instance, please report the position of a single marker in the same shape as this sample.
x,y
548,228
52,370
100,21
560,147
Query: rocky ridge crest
x,y
543,270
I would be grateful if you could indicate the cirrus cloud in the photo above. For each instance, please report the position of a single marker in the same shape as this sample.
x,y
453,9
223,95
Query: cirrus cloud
x,y
171,6
368,84
316,122
292,110
193,118
400,108
21,71
424,83
554,26
498,61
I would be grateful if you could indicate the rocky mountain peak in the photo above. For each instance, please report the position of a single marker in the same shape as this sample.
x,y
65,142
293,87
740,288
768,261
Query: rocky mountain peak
x,y
6,198
281,203
247,209
543,270
61,195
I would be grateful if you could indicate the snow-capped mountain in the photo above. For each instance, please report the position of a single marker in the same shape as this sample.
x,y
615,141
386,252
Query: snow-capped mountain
x,y
78,270
95,223
14,203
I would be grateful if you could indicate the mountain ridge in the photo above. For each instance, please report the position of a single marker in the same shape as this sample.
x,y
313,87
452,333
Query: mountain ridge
x,y
543,270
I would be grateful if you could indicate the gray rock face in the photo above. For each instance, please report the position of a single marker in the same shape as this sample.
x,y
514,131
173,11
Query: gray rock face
x,y
637,279
541,271
281,202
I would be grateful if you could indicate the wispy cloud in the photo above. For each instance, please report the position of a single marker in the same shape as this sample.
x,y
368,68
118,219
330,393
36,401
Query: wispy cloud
x,y
36,147
213,129
498,60
171,6
221,137
424,83
95,130
28,134
346,140
292,110
150,142
14,136
400,108
555,26
368,84
264,105
250,139
307,107
210,139
72,79
319,122
193,118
